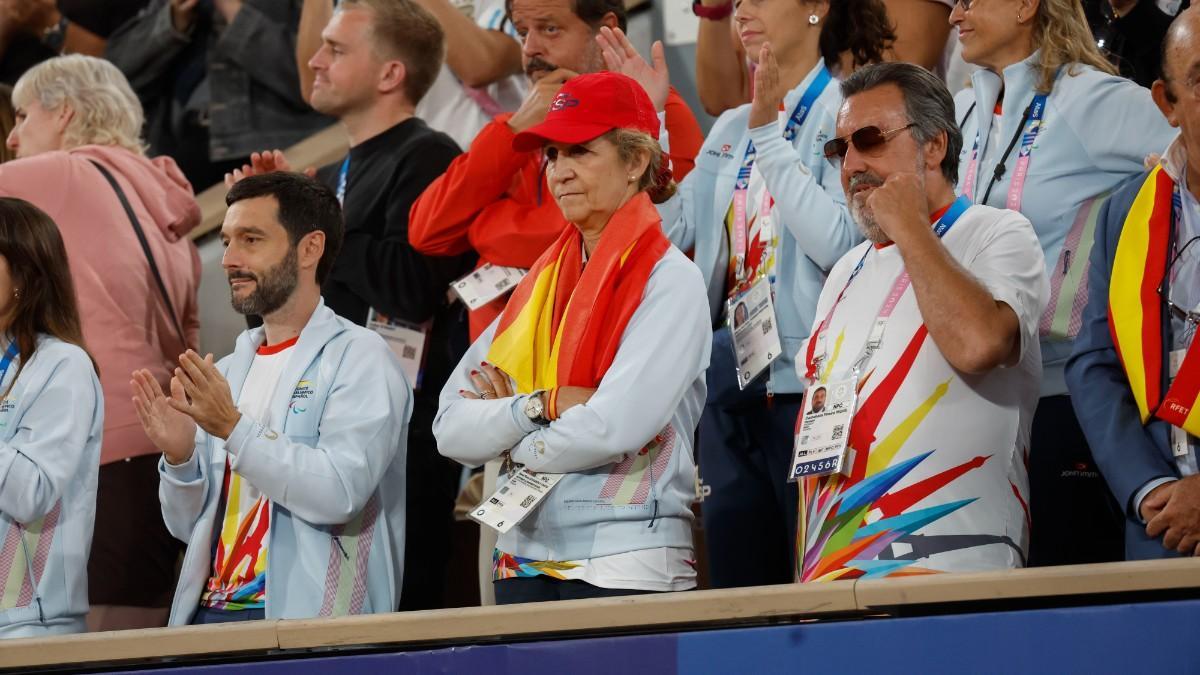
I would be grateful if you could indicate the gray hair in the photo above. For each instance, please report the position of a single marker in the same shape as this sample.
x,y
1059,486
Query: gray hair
x,y
927,103
107,112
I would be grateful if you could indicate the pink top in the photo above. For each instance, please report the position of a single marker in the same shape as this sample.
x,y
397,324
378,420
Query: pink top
x,y
125,323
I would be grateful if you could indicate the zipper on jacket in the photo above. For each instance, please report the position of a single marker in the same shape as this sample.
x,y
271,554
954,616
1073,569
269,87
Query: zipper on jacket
x,y
33,581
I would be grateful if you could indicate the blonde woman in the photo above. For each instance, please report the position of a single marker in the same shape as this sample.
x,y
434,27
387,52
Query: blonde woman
x,y
78,126
1049,130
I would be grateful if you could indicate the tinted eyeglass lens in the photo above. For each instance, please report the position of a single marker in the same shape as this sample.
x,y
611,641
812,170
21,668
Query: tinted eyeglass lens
x,y
865,139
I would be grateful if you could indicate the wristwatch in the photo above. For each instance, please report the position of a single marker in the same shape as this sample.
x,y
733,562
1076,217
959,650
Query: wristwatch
x,y
55,35
535,410
713,13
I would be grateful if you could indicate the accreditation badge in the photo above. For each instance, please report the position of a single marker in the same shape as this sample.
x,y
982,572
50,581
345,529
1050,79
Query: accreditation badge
x,y
824,428
486,284
515,500
406,340
751,317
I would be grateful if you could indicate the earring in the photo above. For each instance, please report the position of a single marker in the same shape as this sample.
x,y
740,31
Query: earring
x,y
17,293
1018,17
813,19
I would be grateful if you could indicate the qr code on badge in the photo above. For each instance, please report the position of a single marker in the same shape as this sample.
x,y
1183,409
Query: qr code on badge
x,y
767,326
408,352
838,432
528,501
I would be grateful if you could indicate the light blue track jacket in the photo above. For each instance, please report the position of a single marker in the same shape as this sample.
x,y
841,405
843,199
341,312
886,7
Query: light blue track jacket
x,y
50,431
810,213
334,474
1095,134
614,498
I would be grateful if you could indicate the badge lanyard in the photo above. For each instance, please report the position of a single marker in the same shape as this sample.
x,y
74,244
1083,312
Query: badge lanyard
x,y
1027,131
343,174
10,355
741,187
899,286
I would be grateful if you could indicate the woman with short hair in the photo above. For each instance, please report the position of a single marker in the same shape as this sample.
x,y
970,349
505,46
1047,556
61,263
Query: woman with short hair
x,y
1049,130
51,414
590,383
80,159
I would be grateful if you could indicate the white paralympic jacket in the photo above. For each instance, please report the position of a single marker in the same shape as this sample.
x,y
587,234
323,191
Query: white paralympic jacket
x,y
816,229
50,431
334,474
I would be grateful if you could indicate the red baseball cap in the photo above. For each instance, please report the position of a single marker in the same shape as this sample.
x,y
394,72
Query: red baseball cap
x,y
588,106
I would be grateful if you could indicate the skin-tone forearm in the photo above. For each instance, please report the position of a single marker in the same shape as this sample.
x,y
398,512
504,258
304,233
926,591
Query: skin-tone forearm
x,y
314,16
922,27
721,77
970,328
477,56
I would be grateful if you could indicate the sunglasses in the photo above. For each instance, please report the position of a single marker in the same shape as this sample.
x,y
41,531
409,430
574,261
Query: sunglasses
x,y
865,139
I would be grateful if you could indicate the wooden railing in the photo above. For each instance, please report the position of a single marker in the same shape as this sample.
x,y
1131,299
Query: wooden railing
x,y
693,609
323,147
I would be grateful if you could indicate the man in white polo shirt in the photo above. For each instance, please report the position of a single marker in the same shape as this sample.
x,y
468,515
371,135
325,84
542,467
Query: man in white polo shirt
x,y
927,352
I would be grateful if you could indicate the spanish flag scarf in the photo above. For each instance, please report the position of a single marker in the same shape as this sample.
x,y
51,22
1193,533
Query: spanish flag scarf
x,y
563,324
1135,310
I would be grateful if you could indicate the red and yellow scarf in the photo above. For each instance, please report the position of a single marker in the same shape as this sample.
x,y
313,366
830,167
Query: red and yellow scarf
x,y
563,324
1135,311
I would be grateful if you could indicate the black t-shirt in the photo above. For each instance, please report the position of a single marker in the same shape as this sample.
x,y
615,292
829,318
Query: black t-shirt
x,y
377,267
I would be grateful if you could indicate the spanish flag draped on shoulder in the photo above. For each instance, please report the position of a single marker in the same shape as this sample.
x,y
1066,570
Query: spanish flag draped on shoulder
x,y
564,322
1135,310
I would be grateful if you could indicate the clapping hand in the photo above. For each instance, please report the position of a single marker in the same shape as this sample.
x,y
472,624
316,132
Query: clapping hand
x,y
768,92
169,430
263,162
208,399
621,57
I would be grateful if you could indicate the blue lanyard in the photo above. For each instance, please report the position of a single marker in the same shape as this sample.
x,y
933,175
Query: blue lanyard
x,y
343,174
10,355
1031,126
815,89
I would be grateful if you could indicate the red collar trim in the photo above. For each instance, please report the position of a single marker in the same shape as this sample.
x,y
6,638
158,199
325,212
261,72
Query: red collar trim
x,y
937,215
267,350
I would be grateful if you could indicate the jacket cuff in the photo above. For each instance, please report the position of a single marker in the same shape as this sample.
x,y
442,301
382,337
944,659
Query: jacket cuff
x,y
1140,496
245,431
773,149
180,474
237,36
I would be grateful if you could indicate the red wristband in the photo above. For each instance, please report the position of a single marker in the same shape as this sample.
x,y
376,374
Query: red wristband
x,y
715,13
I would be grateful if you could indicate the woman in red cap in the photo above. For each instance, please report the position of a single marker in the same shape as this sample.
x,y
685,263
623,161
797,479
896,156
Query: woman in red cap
x,y
591,382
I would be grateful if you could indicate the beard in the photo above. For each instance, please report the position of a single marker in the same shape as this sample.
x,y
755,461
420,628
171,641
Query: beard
x,y
862,214
272,288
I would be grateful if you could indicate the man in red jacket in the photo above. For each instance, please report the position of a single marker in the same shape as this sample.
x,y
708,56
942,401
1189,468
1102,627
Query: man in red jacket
x,y
493,199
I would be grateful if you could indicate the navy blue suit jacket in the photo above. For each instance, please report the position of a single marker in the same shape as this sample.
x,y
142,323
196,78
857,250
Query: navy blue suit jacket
x,y
1128,453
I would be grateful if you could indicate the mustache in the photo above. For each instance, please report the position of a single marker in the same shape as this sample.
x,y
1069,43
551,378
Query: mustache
x,y
865,178
235,276
535,64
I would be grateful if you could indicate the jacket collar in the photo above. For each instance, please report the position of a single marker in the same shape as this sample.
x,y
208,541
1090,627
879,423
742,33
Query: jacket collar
x,y
1018,87
321,327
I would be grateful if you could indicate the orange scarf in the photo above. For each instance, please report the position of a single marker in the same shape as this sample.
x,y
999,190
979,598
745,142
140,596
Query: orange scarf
x,y
1135,311
564,322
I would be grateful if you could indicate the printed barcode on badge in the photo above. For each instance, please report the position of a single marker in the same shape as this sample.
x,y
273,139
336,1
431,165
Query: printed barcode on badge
x,y
409,352
767,326
838,431
501,285
504,490
528,501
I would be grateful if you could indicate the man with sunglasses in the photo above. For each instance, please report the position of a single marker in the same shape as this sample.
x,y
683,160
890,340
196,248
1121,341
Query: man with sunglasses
x,y
1135,373
933,322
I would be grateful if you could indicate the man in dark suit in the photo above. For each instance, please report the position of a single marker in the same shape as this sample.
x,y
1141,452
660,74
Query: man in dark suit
x,y
1135,373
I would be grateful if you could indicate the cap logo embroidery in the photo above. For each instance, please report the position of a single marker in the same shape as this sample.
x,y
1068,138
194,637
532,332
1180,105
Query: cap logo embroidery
x,y
563,101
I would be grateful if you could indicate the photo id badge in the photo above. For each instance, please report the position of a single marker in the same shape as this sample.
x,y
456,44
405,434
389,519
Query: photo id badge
x,y
751,316
407,342
486,284
824,428
515,500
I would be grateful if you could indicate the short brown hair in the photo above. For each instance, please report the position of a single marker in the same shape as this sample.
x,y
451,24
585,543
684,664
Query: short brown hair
x,y
404,30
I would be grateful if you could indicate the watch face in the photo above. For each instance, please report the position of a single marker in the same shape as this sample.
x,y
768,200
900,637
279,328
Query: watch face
x,y
533,407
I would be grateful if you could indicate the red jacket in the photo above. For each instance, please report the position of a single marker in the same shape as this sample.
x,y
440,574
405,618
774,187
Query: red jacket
x,y
495,200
